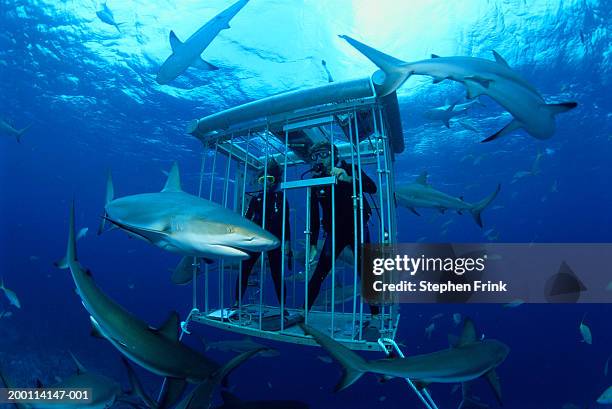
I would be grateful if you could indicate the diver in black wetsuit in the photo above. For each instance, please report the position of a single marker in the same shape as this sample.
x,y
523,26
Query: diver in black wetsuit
x,y
321,153
274,224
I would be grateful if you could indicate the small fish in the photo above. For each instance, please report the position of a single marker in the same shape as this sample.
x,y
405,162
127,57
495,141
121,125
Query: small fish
x,y
382,398
324,359
585,331
514,303
455,388
131,286
609,287
269,384
437,316
607,365
429,330
10,294
497,207
34,258
457,318
82,233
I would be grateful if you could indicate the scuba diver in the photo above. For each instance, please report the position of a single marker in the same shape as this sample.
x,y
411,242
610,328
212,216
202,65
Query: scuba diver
x,y
321,154
274,224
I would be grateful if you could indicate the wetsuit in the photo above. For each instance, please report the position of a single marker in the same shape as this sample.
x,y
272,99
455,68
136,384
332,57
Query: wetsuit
x,y
274,224
344,226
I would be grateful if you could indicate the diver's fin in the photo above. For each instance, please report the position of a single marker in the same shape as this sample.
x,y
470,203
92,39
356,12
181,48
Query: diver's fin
x,y
204,65
175,43
476,211
173,184
512,126
110,194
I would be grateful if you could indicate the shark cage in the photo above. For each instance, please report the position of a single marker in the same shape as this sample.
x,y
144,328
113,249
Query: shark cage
x,y
239,144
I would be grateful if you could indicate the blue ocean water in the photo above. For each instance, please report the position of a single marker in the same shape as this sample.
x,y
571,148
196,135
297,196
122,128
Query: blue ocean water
x,y
89,91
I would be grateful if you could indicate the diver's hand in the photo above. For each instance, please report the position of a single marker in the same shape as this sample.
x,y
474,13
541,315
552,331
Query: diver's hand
x,y
341,175
313,254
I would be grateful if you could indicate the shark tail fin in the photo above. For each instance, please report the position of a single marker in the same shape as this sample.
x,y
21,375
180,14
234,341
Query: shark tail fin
x,y
202,394
480,206
71,253
391,66
21,131
110,195
354,366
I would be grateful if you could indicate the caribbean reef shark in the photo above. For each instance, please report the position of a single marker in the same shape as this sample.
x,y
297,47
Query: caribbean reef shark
x,y
480,77
467,360
421,195
105,392
188,53
155,349
9,129
449,111
182,223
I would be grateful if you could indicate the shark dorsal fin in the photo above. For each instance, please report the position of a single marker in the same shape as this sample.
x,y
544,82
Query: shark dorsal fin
x,y
173,184
230,399
39,384
80,368
435,56
468,335
170,327
175,43
422,179
500,59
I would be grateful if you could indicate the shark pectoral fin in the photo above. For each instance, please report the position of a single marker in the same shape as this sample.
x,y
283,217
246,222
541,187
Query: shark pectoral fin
x,y
512,126
183,273
560,108
230,400
485,82
446,123
171,392
80,368
474,89
349,377
204,65
499,59
437,80
413,210
170,327
136,385
95,332
175,43
493,380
